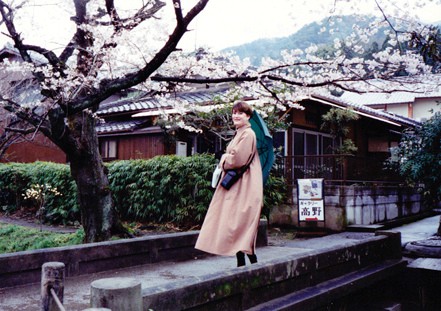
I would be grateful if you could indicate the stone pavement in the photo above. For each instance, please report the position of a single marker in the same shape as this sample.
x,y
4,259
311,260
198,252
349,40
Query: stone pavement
x,y
77,289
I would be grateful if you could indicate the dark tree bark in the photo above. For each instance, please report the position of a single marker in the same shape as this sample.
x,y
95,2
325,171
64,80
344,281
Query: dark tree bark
x,y
98,215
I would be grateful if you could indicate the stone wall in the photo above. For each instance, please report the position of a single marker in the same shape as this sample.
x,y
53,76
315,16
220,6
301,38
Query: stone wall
x,y
304,281
25,267
356,205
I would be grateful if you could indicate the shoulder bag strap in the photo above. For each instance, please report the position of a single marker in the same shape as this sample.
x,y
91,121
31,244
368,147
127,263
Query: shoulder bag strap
x,y
244,168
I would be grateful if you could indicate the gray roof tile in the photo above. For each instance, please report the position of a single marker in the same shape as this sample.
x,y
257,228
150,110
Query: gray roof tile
x,y
118,126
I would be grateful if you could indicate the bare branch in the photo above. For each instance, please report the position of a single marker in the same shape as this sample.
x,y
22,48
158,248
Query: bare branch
x,y
109,87
178,11
7,15
147,10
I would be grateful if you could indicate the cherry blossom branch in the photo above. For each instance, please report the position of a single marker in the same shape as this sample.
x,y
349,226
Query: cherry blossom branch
x,y
109,87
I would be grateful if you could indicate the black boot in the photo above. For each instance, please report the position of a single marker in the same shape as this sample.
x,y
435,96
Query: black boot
x,y
252,258
240,259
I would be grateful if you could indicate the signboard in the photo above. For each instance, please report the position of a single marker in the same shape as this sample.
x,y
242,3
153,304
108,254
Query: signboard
x,y
310,199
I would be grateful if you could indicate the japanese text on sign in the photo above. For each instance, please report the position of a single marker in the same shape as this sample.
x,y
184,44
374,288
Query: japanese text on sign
x,y
310,196
311,210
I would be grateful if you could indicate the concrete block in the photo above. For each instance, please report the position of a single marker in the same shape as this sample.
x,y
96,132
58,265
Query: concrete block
x,y
282,215
367,199
350,215
358,200
332,200
380,213
391,211
117,294
350,191
368,216
358,212
415,207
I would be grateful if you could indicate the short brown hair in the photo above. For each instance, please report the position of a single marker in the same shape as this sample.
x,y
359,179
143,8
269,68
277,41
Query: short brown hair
x,y
242,106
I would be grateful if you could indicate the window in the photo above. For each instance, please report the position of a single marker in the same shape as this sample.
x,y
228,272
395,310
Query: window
x,y
279,142
309,150
312,143
109,149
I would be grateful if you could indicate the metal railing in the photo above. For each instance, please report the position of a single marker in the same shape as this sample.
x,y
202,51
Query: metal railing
x,y
335,168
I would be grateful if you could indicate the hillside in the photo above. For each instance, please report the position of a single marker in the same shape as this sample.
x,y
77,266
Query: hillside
x,y
305,37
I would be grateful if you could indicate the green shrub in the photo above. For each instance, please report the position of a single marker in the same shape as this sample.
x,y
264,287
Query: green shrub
x,y
13,179
160,190
274,193
58,209
163,189
173,189
16,178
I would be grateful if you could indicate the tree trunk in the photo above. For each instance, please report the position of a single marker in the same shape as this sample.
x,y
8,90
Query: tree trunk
x,y
98,215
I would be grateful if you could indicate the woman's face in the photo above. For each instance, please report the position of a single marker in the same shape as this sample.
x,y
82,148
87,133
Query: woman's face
x,y
240,118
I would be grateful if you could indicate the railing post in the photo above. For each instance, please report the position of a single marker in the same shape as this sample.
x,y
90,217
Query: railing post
x,y
52,277
117,294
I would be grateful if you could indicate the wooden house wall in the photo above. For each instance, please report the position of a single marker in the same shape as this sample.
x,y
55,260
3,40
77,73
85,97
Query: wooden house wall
x,y
140,146
369,135
40,149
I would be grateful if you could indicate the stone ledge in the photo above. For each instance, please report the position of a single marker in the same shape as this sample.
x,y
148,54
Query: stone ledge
x,y
432,265
245,287
22,268
322,294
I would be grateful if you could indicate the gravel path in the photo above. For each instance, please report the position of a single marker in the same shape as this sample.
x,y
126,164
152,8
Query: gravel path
x,y
33,224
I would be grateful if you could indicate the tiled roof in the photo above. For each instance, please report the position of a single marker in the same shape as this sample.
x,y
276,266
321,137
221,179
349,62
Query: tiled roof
x,y
150,103
143,105
410,89
370,99
367,111
118,126
150,106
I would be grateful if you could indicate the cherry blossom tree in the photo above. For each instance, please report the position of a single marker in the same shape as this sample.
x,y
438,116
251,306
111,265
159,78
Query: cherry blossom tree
x,y
114,47
69,87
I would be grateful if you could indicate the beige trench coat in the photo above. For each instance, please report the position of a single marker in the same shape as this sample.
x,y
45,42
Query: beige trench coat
x,y
233,216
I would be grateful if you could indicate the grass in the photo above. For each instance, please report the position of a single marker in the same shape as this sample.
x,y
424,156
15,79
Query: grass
x,y
14,238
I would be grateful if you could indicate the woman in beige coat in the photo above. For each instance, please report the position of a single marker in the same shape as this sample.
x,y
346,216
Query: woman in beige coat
x,y
230,226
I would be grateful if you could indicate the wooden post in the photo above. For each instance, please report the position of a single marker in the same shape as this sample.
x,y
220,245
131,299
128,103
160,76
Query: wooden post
x,y
117,294
52,277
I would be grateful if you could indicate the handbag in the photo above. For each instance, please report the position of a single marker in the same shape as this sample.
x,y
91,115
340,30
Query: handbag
x,y
216,176
232,176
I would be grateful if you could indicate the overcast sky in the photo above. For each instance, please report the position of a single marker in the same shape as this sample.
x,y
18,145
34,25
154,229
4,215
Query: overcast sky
x,y
226,23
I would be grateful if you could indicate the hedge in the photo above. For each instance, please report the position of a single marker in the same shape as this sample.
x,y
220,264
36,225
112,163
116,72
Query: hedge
x,y
160,190
16,178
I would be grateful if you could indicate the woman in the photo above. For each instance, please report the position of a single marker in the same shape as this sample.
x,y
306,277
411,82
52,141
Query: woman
x,y
230,226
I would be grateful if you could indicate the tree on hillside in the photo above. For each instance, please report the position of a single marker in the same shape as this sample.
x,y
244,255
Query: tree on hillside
x,y
114,48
